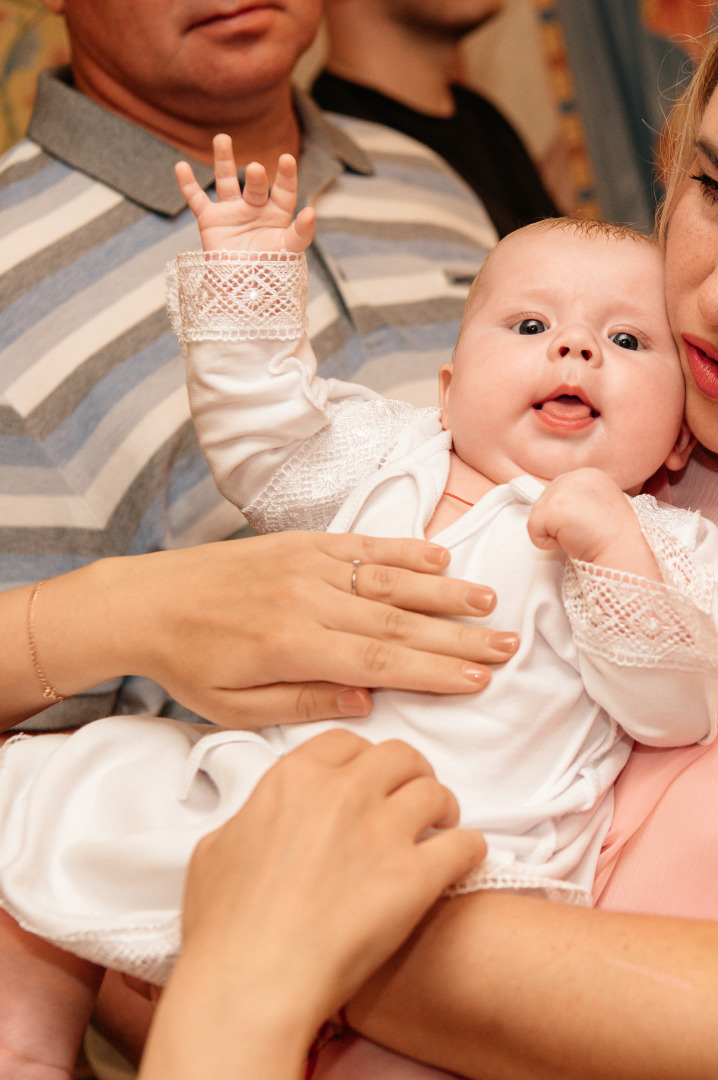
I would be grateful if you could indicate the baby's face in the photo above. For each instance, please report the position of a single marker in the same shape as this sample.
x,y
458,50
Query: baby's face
x,y
566,360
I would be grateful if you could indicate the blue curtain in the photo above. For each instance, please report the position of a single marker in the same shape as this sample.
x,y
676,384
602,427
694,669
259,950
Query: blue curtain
x,y
625,78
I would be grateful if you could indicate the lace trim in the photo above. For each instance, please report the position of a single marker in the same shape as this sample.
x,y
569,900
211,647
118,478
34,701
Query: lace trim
x,y
633,622
549,888
312,485
237,295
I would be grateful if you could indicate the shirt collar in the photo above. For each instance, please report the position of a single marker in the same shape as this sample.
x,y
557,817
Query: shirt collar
x,y
77,130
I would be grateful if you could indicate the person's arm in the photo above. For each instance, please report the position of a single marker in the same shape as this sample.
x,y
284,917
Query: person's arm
x,y
248,632
502,987
292,904
640,602
284,445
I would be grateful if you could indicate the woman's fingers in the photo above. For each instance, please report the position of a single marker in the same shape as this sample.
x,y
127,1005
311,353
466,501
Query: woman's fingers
x,y
450,637
423,803
288,703
420,555
448,856
405,651
418,592
390,766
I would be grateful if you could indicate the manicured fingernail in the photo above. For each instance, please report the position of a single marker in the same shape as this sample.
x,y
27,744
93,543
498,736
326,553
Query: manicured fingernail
x,y
478,675
437,556
353,703
480,597
503,642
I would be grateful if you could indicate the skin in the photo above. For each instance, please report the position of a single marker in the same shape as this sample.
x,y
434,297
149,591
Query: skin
x,y
184,69
692,280
594,326
407,49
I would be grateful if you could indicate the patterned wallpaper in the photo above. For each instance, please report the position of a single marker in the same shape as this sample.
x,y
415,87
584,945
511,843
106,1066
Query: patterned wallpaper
x,y
30,38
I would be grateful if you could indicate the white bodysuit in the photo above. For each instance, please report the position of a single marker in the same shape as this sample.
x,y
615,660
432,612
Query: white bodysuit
x,y
532,758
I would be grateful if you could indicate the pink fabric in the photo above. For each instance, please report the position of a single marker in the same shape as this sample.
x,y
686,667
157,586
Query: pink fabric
x,y
661,853
354,1058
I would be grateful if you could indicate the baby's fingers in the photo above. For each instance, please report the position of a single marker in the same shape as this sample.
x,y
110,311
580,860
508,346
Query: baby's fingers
x,y
256,186
284,188
225,169
300,233
195,197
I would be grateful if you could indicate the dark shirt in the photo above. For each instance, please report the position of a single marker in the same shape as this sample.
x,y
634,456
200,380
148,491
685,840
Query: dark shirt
x,y
477,141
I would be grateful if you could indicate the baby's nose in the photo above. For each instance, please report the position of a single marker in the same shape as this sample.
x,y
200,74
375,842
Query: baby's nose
x,y
564,350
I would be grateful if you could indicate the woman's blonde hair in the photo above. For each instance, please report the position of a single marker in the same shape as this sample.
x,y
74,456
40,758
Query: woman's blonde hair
x,y
682,128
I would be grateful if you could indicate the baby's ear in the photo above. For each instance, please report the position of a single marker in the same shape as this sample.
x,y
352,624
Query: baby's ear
x,y
446,372
685,441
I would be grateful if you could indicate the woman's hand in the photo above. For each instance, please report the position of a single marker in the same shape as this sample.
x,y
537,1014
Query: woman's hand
x,y
252,632
292,904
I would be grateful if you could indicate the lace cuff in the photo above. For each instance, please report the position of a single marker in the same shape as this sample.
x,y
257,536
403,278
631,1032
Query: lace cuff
x,y
633,622
237,295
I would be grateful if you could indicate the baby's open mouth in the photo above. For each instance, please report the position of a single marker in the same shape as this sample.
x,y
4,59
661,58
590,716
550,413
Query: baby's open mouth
x,y
567,407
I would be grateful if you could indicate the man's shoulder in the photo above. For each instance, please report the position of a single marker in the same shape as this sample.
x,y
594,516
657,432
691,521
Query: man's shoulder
x,y
35,184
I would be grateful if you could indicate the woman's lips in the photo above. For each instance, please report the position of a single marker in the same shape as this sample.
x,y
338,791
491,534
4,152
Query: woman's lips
x,y
702,359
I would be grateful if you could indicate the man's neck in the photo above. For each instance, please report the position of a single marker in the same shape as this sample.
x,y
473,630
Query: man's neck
x,y
413,68
261,129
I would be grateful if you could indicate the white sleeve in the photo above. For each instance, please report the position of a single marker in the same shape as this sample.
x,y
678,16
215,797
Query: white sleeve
x,y
283,444
648,649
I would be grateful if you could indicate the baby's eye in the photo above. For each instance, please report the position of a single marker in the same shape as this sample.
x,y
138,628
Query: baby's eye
x,y
530,326
624,340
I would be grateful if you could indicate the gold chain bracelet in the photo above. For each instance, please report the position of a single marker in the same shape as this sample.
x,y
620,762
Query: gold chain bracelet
x,y
48,691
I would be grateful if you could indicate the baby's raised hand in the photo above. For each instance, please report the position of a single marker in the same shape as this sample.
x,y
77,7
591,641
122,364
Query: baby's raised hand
x,y
249,220
586,514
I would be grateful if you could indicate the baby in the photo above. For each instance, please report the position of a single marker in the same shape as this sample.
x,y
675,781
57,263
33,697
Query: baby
x,y
564,396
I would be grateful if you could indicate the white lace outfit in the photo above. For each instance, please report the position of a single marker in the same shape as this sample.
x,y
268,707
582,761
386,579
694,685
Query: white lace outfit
x,y
99,825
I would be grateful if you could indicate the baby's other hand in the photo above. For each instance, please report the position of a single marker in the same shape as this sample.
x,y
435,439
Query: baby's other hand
x,y
255,219
585,514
